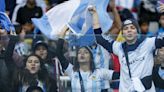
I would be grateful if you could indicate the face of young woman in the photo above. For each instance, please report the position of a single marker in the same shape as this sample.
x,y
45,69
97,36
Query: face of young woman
x,y
33,64
83,55
130,33
41,51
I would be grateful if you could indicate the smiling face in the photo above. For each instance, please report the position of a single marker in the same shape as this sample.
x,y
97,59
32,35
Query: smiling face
x,y
83,55
130,33
33,64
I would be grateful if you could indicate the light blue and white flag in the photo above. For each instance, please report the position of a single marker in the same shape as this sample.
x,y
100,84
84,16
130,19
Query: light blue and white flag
x,y
5,22
84,40
56,18
2,6
81,21
125,3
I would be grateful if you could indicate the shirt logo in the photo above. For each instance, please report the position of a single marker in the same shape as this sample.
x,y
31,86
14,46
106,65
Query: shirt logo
x,y
93,77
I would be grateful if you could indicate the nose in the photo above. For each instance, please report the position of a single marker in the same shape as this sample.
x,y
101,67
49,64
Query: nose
x,y
32,64
82,54
128,30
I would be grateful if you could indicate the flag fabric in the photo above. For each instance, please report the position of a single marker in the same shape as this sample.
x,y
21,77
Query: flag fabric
x,y
5,22
81,20
125,3
85,40
2,6
56,18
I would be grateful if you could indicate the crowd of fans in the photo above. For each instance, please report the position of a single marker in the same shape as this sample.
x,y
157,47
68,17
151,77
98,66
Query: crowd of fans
x,y
34,63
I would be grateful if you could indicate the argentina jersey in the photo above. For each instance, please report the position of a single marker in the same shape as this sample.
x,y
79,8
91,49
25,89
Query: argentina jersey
x,y
91,81
101,60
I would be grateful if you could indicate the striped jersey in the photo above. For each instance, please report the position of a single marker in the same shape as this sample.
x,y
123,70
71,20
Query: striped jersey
x,y
92,81
101,60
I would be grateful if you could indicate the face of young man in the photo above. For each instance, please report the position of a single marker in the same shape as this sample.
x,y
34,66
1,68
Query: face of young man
x,y
130,33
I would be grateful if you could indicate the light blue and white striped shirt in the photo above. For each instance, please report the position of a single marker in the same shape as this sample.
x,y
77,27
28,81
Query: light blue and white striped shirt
x,y
92,81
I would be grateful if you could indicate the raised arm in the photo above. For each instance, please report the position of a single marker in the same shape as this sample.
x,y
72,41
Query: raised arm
x,y
9,52
116,27
60,54
97,30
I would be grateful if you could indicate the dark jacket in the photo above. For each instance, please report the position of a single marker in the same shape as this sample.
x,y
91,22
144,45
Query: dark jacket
x,y
7,65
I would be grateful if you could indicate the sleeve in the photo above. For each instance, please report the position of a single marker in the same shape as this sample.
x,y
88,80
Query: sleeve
x,y
9,53
159,41
60,55
40,12
100,40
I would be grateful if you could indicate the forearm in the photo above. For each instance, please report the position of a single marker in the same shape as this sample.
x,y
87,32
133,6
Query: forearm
x,y
60,54
116,26
9,52
96,23
100,40
117,20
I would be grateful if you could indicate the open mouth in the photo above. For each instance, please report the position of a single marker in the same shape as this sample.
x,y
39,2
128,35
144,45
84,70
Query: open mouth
x,y
33,68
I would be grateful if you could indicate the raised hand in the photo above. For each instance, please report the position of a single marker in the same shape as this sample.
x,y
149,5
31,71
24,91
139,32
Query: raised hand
x,y
161,7
92,9
13,33
3,32
112,4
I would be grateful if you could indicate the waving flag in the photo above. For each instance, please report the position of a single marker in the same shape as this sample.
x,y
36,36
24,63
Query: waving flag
x,y
56,18
2,5
85,40
5,22
125,3
81,21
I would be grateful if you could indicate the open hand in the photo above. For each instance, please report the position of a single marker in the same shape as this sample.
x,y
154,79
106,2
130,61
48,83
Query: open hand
x,y
161,7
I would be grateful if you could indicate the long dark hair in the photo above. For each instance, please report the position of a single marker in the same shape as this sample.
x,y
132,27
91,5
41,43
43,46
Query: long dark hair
x,y
76,63
42,73
23,76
